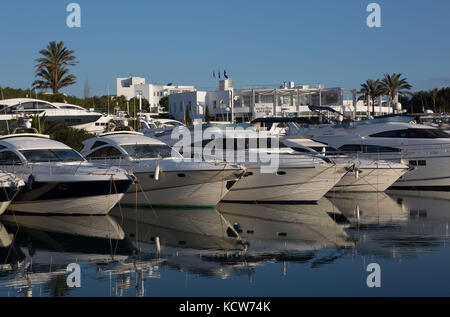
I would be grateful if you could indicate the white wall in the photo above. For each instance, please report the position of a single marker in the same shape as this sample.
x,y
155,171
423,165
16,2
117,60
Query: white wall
x,y
126,86
130,87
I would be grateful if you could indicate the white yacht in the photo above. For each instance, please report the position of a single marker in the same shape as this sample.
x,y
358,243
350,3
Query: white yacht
x,y
164,177
58,179
425,148
367,174
273,173
72,115
98,126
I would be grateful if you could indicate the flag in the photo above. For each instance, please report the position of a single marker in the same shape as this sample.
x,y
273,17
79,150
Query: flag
x,y
225,74
219,73
214,74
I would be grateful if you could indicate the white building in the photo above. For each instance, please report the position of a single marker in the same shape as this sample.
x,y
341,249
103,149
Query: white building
x,y
126,86
287,100
131,87
218,102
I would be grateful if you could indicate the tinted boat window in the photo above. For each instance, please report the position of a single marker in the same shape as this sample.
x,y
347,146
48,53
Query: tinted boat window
x,y
9,158
353,148
106,152
97,144
148,150
68,155
412,133
54,155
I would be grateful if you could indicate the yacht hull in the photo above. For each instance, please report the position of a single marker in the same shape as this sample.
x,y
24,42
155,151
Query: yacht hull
x,y
7,194
4,205
180,188
369,180
91,205
433,176
82,197
296,185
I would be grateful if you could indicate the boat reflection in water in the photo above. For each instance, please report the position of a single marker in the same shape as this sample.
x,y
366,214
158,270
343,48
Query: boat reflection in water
x,y
288,232
234,238
43,246
131,247
395,226
199,229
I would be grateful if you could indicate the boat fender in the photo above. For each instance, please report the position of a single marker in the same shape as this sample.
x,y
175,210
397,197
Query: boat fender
x,y
30,182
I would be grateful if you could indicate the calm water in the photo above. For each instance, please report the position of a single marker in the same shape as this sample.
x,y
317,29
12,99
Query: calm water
x,y
235,250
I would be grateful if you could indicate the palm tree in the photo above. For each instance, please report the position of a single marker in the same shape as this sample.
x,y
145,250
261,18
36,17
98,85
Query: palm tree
x,y
393,86
373,89
52,67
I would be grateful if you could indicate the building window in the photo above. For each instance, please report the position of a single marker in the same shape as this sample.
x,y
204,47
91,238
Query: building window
x,y
214,104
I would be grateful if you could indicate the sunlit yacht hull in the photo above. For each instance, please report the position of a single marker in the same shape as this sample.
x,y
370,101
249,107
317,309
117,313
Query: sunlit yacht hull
x,y
191,188
369,179
424,180
306,184
428,155
92,205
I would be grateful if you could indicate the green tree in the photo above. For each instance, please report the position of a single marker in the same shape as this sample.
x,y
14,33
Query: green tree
x,y
207,115
52,68
70,136
395,86
164,103
373,89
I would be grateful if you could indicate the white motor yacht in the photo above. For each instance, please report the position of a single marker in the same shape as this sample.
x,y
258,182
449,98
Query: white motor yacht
x,y
164,177
58,179
71,115
367,175
273,173
425,148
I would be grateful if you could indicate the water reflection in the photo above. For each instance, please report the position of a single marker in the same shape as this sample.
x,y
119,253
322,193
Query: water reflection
x,y
37,249
131,247
395,226
200,229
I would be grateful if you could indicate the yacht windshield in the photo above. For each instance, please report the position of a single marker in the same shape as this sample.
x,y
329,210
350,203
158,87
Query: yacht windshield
x,y
52,155
149,150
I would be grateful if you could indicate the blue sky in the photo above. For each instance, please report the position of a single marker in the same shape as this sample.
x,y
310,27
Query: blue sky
x,y
257,41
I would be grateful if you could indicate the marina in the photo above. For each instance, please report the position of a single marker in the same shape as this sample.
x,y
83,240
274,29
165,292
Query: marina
x,y
245,204
225,156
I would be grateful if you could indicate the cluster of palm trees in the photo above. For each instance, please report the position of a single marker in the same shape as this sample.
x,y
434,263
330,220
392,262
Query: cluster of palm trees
x,y
392,86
